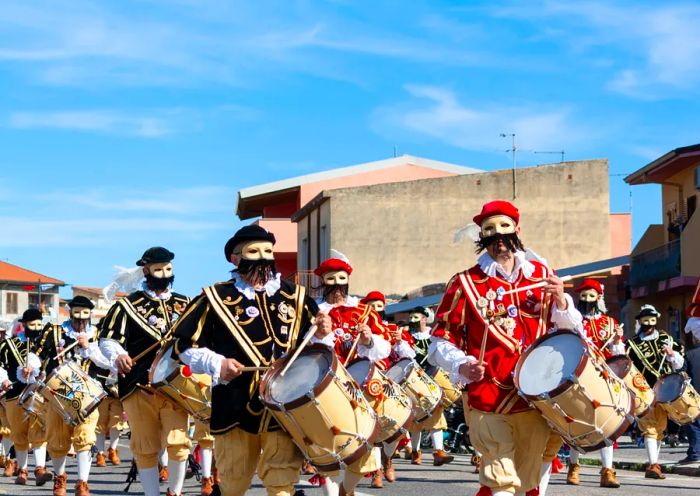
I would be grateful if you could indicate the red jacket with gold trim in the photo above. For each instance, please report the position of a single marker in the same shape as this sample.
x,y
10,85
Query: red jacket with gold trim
x,y
345,320
599,329
514,321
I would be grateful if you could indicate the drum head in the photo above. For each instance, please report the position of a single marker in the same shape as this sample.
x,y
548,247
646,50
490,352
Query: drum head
x,y
669,388
307,371
359,370
400,370
165,366
549,364
620,365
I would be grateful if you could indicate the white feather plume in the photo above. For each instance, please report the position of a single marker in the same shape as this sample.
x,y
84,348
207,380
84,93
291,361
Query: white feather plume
x,y
470,231
336,254
126,280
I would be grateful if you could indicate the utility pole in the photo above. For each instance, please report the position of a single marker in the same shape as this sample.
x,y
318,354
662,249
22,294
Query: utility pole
x,y
513,150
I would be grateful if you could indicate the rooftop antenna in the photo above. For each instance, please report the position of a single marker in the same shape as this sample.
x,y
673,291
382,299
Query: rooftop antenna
x,y
561,152
396,151
513,149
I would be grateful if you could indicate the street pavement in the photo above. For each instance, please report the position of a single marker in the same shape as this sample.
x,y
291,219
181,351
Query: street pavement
x,y
455,479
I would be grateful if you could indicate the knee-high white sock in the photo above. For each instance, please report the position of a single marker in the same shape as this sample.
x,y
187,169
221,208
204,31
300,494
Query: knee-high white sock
x,y
206,455
149,481
6,444
415,441
100,443
652,446
330,488
573,456
606,457
84,462
113,438
59,465
438,440
40,457
390,448
163,457
22,457
545,473
176,478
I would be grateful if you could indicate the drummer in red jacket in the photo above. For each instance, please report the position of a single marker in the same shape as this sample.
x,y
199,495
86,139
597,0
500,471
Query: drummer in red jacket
x,y
510,435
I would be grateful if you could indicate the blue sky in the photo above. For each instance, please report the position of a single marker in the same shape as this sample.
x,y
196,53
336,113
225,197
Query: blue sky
x,y
133,123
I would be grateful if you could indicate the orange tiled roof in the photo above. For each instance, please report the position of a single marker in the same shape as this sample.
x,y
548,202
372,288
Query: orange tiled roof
x,y
95,291
16,274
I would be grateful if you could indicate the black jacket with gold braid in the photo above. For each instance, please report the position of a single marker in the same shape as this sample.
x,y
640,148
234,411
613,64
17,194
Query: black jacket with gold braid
x,y
137,322
13,354
255,332
648,355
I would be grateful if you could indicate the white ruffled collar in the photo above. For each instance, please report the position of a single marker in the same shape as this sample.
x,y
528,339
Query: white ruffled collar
x,y
270,288
73,334
350,301
650,337
492,268
421,335
165,295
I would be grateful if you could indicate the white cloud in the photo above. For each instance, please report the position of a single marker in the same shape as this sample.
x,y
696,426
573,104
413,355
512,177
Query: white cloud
x,y
438,113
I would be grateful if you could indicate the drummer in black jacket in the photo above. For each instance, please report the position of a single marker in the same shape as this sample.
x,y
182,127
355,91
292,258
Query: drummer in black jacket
x,y
250,320
656,354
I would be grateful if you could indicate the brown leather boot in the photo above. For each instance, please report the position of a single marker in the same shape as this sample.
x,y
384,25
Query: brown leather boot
x,y
389,471
476,461
416,458
307,468
81,488
100,460
573,476
654,472
113,456
207,486
608,479
407,453
3,459
163,475
22,477
9,468
440,457
377,480
59,485
42,476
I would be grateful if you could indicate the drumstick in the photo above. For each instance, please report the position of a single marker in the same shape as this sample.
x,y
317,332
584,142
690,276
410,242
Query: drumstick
x,y
534,286
147,350
611,337
66,350
307,338
253,369
352,349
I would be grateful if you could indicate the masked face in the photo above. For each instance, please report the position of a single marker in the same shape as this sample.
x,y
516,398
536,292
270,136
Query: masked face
x,y
256,250
415,321
499,234
255,261
588,301
336,286
498,224
648,323
161,270
33,328
379,307
80,313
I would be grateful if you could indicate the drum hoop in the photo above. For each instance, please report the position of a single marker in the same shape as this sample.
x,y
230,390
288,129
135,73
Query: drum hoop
x,y
160,356
264,390
565,385
370,372
621,358
363,450
414,364
684,386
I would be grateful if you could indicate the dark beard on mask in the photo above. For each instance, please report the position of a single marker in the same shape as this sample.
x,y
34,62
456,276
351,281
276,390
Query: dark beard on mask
x,y
587,307
331,291
79,324
414,326
646,328
511,241
159,283
261,270
382,315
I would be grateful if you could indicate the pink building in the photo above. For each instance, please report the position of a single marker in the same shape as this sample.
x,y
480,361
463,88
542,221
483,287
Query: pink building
x,y
276,202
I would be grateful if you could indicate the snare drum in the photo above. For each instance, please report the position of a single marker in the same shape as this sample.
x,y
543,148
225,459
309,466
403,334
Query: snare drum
x,y
575,390
678,398
319,404
174,380
392,404
635,381
72,392
420,387
451,394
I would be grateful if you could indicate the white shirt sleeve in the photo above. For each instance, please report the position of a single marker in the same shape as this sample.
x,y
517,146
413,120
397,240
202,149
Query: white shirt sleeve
x,y
449,358
379,350
676,361
3,375
95,355
328,340
693,326
570,318
111,349
617,349
203,361
35,364
404,350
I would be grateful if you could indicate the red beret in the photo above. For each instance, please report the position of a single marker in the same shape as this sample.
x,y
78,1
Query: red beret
x,y
331,265
590,283
373,296
497,207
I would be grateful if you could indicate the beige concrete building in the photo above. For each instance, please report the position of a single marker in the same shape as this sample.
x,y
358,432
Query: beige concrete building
x,y
401,236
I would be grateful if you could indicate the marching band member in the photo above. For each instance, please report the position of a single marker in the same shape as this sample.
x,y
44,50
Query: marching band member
x,y
6,461
109,412
18,356
352,320
401,347
205,440
136,326
250,320
76,333
605,333
418,321
480,334
655,353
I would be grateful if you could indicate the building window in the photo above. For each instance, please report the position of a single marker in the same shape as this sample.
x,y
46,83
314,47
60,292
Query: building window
x,y
11,303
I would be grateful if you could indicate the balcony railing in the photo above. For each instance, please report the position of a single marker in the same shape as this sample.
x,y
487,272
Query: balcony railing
x,y
656,265
308,279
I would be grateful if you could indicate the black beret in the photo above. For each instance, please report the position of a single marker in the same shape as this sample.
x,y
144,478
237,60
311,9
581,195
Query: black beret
x,y
81,301
647,311
421,310
31,315
245,234
156,254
